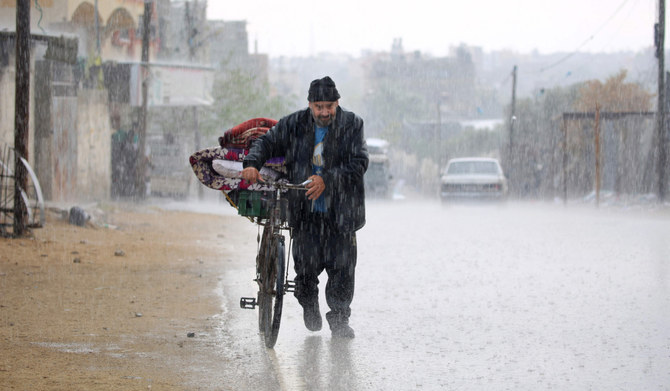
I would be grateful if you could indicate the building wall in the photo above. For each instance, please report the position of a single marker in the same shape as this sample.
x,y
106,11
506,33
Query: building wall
x,y
61,11
181,43
56,17
52,11
107,7
231,49
7,98
7,77
94,134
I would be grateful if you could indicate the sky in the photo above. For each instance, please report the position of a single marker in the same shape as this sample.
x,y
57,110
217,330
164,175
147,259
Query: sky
x,y
308,27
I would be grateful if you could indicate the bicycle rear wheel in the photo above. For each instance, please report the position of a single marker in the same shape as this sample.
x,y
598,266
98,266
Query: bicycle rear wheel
x,y
272,269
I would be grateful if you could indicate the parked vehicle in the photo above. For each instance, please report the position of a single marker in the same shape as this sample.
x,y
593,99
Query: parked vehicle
x,y
473,178
378,176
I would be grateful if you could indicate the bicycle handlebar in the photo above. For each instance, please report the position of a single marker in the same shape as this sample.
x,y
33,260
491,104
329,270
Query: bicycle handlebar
x,y
285,185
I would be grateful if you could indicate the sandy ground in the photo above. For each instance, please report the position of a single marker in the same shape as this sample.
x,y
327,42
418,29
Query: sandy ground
x,y
111,307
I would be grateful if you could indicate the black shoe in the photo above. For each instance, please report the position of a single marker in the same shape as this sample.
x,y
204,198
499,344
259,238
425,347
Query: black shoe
x,y
343,331
312,317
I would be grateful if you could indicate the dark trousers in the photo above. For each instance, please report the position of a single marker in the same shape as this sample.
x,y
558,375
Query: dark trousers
x,y
317,246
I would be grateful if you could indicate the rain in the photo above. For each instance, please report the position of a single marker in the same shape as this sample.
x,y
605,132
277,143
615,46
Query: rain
x,y
516,195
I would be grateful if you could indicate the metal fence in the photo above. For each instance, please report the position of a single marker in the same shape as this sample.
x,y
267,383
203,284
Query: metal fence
x,y
30,197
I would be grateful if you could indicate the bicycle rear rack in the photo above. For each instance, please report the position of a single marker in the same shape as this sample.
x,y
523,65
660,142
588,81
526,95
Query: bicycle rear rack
x,y
248,303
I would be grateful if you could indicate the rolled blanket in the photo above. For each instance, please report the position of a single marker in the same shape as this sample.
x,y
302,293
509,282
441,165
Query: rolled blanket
x,y
202,163
242,135
234,169
238,155
219,167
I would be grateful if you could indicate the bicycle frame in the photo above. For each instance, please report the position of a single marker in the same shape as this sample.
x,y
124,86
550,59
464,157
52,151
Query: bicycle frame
x,y
271,265
277,224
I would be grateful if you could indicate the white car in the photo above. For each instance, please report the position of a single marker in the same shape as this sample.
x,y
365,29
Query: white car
x,y
473,178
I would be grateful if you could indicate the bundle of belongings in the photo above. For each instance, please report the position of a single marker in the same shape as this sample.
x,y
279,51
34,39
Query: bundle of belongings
x,y
220,167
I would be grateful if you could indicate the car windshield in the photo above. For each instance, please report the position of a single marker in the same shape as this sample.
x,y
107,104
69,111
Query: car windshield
x,y
375,150
472,167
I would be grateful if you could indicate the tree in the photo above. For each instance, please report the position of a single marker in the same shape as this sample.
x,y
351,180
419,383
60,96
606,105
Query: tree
x,y
614,95
537,138
623,137
238,96
387,107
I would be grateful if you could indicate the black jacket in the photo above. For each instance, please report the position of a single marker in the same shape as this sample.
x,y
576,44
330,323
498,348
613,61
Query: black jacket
x,y
345,162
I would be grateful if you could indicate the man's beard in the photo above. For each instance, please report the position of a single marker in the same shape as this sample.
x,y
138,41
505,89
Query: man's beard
x,y
323,122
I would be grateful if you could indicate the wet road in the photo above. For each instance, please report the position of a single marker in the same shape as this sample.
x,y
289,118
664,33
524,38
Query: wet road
x,y
474,297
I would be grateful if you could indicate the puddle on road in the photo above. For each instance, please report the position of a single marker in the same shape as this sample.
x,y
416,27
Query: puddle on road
x,y
81,348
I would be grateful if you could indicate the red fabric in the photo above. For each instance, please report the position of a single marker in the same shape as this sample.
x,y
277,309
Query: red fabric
x,y
241,136
252,123
242,140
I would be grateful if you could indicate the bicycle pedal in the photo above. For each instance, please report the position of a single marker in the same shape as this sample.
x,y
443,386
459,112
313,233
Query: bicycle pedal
x,y
248,303
289,286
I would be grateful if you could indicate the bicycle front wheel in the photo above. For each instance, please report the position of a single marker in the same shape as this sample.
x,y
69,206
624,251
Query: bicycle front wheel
x,y
272,269
265,276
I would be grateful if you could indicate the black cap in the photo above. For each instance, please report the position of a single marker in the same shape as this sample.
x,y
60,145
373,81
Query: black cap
x,y
323,90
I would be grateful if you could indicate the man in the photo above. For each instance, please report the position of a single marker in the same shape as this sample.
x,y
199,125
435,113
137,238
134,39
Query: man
x,y
326,144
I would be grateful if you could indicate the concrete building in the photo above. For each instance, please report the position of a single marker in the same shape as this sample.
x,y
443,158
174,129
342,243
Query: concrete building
x,y
114,34
69,128
72,105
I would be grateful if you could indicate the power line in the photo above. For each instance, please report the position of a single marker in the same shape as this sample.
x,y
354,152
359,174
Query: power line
x,y
590,38
618,29
575,70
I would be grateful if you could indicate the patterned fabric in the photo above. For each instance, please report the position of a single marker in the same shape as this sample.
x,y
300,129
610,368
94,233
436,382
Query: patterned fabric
x,y
201,163
234,147
243,140
238,155
242,135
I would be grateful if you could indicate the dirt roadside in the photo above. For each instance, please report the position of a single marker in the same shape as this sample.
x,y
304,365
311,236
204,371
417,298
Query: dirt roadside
x,y
119,306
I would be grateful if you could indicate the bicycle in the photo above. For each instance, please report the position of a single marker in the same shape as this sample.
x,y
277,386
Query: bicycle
x,y
271,264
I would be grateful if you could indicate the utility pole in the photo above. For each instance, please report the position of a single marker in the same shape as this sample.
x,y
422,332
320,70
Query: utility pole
x,y
659,35
140,181
564,147
596,140
438,137
191,35
512,120
21,112
192,31
97,30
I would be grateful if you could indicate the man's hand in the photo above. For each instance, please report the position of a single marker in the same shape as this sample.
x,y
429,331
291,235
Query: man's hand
x,y
251,175
315,188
